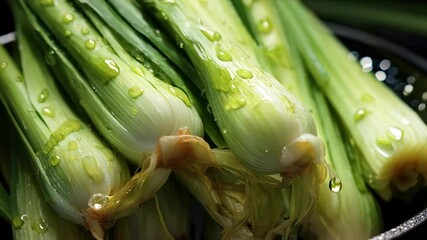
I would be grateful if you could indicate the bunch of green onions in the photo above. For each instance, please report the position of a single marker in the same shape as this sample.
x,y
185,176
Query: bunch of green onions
x,y
129,111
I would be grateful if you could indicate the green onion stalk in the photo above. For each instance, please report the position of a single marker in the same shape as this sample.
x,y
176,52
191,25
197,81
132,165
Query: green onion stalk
x,y
165,216
391,137
4,151
105,209
263,124
33,217
351,212
70,159
131,34
233,195
133,12
5,213
4,203
137,107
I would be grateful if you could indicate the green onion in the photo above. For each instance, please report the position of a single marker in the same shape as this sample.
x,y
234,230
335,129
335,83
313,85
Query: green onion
x,y
233,195
146,54
71,161
104,209
351,212
390,135
139,108
166,216
33,217
5,204
264,125
5,168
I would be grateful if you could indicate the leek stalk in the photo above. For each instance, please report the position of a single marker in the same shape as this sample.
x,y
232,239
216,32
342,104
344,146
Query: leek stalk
x,y
139,107
33,217
232,194
137,46
5,176
166,216
70,159
104,209
264,125
351,212
391,137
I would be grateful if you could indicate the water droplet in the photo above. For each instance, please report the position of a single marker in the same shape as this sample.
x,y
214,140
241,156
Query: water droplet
x,y
213,36
405,121
39,225
108,127
134,111
245,74
235,101
203,93
90,44
180,94
224,131
394,133
421,107
223,55
43,95
360,114
3,65
72,145
54,160
209,108
223,80
335,184
49,58
264,26
84,31
92,169
109,68
138,70
164,15
68,17
48,111
135,92
366,63
408,89
411,79
380,75
385,64
19,221
108,154
384,147
64,130
181,45
19,79
367,98
68,33
47,3
98,201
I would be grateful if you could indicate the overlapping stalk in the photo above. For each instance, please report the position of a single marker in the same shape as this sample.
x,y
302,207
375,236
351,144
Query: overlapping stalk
x,y
391,137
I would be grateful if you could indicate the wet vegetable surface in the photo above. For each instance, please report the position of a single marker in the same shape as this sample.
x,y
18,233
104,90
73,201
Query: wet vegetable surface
x,y
401,71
